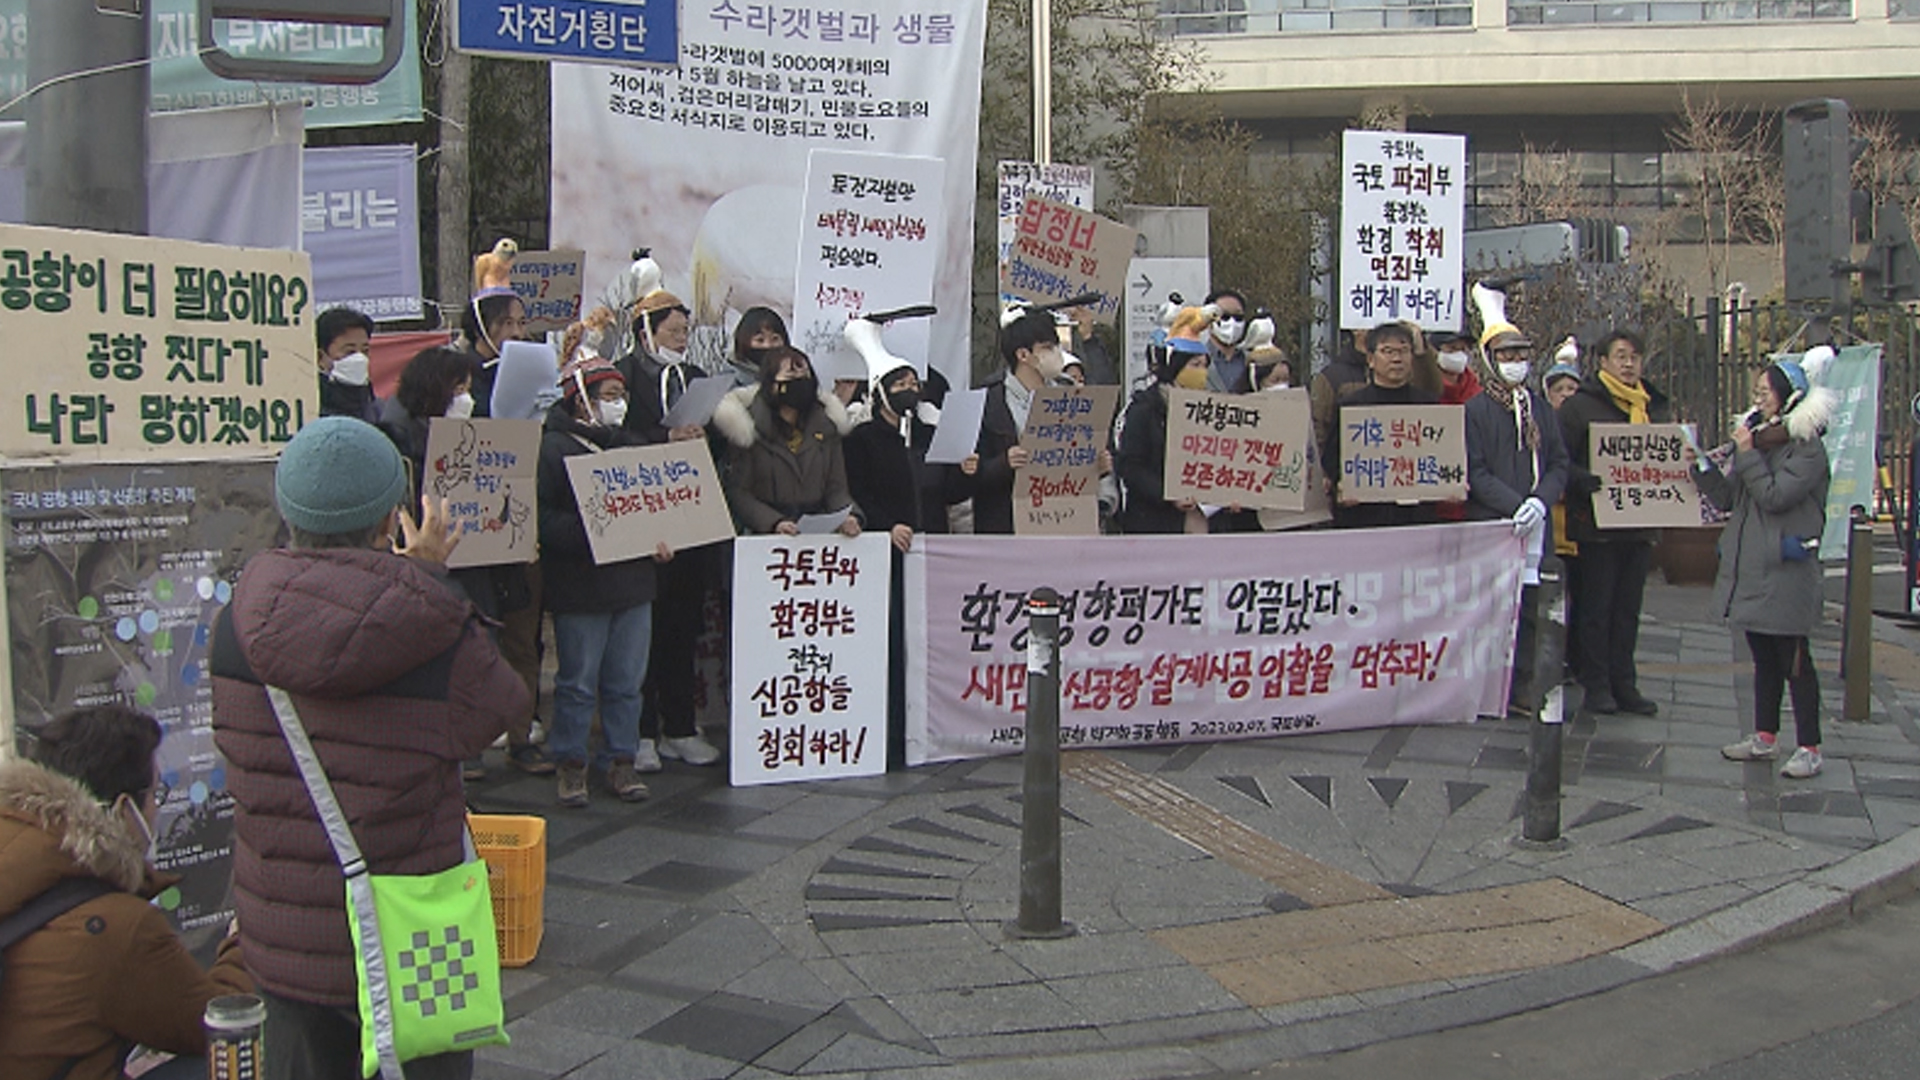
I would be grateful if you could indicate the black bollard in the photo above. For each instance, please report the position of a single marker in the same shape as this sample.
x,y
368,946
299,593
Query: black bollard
x,y
1541,824
1040,788
1856,653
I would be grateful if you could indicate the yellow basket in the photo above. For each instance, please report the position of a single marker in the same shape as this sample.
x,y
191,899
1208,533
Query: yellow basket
x,y
515,848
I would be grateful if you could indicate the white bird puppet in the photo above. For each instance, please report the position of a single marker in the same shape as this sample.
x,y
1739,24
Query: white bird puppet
x,y
494,269
1259,333
1568,353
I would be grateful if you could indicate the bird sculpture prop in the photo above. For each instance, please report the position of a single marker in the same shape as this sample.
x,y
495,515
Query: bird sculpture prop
x,y
494,269
1568,353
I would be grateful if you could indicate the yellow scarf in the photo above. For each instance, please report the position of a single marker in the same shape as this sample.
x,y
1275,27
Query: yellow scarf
x,y
1631,399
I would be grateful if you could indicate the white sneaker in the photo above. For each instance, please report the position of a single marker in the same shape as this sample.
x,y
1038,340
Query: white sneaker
x,y
1751,748
692,749
645,758
1804,763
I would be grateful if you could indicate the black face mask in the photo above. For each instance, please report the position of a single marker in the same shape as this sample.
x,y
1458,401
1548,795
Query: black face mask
x,y
755,358
903,402
798,394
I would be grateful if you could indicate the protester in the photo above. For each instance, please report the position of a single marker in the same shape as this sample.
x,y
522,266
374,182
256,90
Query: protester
x,y
1142,460
1562,381
343,337
1390,358
437,382
105,971
887,471
1228,371
1768,585
1613,562
1271,368
1346,372
1453,354
491,319
784,444
1031,350
1090,344
656,371
760,331
396,681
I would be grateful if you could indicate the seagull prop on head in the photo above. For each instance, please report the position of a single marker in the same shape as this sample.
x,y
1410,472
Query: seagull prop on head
x,y
494,269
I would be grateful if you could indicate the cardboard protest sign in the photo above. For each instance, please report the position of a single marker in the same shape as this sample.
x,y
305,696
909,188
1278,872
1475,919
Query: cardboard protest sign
x,y
1643,481
1061,252
1058,491
1403,453
485,470
1247,450
1062,183
548,283
1402,243
810,633
637,497
132,347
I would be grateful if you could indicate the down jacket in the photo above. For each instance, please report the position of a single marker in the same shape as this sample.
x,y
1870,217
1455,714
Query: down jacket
x,y
106,974
1590,405
397,681
767,482
1772,494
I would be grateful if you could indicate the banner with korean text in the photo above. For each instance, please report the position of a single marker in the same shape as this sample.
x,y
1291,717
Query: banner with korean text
x,y
704,163
1851,439
360,222
810,633
1057,493
1060,252
1411,625
1247,450
549,284
485,470
131,347
1402,244
638,497
1403,453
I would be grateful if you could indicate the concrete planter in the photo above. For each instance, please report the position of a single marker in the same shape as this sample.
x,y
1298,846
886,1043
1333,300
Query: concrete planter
x,y
1688,556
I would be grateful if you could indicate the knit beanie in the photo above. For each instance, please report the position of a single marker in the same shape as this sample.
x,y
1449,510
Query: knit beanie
x,y
584,373
339,475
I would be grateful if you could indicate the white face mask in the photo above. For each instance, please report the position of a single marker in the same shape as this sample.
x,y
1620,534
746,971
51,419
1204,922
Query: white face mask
x,y
353,369
1281,385
1514,372
612,413
1227,330
129,811
1052,363
672,356
1453,363
460,407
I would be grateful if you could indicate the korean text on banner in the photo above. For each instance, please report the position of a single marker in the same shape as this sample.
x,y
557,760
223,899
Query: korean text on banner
x,y
1058,491
133,347
485,470
638,497
549,283
1060,252
1247,450
757,88
869,241
1643,481
1402,254
583,31
1367,627
1403,453
1070,184
1852,436
360,223
810,633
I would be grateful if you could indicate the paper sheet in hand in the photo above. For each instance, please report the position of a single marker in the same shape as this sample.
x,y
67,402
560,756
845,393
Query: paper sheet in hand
x,y
959,430
698,402
526,381
815,524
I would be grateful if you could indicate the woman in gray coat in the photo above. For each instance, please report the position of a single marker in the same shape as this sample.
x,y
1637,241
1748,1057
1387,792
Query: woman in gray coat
x,y
1769,580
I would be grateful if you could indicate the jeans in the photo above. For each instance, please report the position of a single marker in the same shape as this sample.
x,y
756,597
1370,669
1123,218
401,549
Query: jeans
x,y
603,659
318,1042
1780,662
1613,577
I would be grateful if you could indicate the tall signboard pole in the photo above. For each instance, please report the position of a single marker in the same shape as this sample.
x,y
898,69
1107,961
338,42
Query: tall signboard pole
x,y
87,114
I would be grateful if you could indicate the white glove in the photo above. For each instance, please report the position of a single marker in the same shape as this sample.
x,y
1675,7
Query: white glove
x,y
1529,516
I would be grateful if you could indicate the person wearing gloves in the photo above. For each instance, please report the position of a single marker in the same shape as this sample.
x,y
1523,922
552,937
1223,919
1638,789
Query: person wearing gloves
x,y
784,448
1142,460
1775,488
343,337
1516,470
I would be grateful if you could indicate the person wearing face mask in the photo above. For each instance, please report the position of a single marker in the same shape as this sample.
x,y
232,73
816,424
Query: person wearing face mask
x,y
1030,346
887,470
784,449
759,332
491,319
1142,460
99,967
437,382
343,336
1228,370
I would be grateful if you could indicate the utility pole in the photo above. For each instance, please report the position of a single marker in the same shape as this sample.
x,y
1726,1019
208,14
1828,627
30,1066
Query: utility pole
x,y
87,136
454,186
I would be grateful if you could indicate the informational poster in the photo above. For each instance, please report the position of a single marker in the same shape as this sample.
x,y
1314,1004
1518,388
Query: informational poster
x,y
1402,196
1060,252
705,163
810,634
360,222
1206,638
114,574
1149,284
1643,478
485,469
549,284
869,241
1245,450
1057,493
1851,439
1069,184
1403,453
589,31
127,346
638,497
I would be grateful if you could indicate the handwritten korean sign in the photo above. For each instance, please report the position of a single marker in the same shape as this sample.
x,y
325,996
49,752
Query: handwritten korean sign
x,y
485,470
1069,184
548,283
1057,493
1401,244
1403,453
1643,482
1248,450
1060,252
810,636
637,497
132,347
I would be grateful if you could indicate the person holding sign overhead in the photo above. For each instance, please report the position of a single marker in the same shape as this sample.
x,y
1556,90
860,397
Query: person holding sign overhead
x,y
784,449
1142,460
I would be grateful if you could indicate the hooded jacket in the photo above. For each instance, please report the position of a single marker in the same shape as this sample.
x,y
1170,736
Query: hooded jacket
x,y
1142,465
397,681
108,973
573,583
891,481
1589,405
767,483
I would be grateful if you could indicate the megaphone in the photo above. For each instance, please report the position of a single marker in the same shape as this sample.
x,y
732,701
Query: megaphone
x,y
863,337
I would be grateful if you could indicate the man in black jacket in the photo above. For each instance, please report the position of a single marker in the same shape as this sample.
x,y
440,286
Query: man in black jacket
x,y
1031,348
1390,350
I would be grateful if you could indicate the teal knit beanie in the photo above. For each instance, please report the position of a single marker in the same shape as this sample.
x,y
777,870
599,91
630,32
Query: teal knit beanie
x,y
338,475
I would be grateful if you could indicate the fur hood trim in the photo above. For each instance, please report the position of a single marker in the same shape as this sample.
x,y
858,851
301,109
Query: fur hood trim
x,y
89,834
1810,418
736,418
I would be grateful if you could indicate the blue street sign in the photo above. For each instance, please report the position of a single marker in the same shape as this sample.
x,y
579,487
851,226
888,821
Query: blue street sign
x,y
585,31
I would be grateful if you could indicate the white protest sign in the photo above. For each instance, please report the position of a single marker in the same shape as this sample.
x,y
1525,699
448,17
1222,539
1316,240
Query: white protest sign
x,y
637,497
1403,453
810,633
1643,482
1247,450
548,283
1070,184
1401,228
485,470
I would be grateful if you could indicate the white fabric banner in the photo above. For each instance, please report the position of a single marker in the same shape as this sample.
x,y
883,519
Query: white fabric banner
x,y
706,164
1370,628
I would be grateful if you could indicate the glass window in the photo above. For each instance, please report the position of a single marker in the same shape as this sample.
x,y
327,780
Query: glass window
x,y
1555,13
1630,168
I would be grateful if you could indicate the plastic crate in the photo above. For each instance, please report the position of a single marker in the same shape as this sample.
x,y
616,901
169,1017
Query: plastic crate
x,y
515,848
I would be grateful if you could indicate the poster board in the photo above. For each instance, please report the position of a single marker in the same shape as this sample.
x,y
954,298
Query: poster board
x,y
1403,453
1058,491
810,664
1069,184
1402,233
486,470
638,497
1060,252
549,284
1643,480
1246,450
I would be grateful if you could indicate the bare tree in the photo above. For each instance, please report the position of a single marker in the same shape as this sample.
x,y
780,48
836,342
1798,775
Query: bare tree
x,y
1740,193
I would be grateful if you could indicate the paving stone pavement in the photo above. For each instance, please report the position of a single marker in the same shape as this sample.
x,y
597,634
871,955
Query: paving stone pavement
x,y
1236,903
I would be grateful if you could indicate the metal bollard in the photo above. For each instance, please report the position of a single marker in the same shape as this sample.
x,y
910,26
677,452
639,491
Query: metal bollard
x,y
1856,653
1541,820
1040,788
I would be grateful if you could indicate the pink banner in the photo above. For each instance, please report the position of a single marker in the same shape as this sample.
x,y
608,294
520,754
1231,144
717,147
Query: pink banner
x,y
1163,641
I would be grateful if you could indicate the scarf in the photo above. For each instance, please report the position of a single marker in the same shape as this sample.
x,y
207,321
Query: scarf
x,y
1632,400
1516,400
